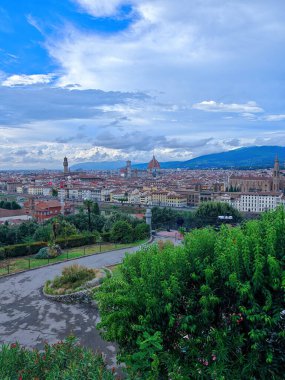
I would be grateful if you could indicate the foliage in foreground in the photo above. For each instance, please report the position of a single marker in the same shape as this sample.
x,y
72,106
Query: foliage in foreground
x,y
61,361
211,309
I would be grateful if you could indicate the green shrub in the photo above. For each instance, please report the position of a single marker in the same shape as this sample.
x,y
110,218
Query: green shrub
x,y
74,273
72,277
106,236
212,308
141,231
61,361
19,250
122,232
49,252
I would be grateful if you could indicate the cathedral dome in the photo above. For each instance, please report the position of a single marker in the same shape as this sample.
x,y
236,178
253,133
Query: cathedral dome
x,y
153,164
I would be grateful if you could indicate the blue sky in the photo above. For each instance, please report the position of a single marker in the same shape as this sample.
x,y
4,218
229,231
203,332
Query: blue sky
x,y
101,80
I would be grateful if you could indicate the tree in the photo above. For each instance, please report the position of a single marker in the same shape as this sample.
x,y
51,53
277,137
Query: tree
x,y
141,231
95,209
163,217
121,232
81,221
210,309
208,212
88,205
43,233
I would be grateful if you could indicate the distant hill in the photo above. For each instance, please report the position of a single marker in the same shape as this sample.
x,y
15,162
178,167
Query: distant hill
x,y
247,158
253,157
104,165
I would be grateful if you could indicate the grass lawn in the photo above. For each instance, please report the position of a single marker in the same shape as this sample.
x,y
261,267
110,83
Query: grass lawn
x,y
28,262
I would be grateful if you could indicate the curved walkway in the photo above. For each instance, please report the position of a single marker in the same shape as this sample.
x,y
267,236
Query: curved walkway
x,y
29,318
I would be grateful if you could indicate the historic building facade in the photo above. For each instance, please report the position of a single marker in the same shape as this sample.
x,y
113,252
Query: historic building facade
x,y
245,184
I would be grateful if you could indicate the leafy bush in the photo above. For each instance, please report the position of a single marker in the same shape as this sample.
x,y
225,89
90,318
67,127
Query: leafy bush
x,y
43,233
49,252
10,205
121,232
61,361
106,236
72,277
141,231
210,309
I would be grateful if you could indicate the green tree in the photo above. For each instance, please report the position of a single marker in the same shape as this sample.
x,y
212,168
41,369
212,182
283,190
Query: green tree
x,y
208,212
43,233
8,234
212,308
26,230
164,217
141,231
95,209
121,232
88,206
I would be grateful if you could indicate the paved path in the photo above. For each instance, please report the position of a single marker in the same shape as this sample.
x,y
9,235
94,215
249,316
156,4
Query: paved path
x,y
31,319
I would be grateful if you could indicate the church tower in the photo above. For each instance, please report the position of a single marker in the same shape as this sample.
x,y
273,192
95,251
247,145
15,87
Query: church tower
x,y
65,166
276,175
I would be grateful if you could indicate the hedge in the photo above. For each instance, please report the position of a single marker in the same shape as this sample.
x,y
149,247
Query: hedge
x,y
18,250
77,241
27,249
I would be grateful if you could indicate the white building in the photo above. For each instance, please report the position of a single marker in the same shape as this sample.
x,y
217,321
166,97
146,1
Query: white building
x,y
35,190
254,202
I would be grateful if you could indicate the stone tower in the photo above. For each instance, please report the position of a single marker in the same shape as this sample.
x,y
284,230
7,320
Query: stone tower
x,y
148,217
65,166
129,169
276,175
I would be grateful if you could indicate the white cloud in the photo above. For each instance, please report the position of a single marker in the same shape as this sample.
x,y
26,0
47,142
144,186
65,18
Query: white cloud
x,y
246,109
167,47
100,8
280,117
24,80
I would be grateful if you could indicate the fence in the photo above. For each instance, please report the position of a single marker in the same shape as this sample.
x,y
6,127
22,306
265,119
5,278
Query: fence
x,y
15,265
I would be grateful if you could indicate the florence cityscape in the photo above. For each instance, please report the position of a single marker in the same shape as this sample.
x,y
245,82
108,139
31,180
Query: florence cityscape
x,y
142,190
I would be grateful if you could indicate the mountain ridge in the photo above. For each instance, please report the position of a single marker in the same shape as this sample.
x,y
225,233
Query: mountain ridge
x,y
253,157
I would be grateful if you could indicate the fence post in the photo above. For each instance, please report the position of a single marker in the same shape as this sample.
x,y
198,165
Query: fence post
x,y
8,268
29,263
100,247
67,254
84,251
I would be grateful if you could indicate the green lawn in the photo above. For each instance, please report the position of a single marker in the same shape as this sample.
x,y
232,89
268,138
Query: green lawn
x,y
29,262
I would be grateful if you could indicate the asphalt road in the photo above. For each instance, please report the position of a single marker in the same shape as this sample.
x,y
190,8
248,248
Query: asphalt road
x,y
27,317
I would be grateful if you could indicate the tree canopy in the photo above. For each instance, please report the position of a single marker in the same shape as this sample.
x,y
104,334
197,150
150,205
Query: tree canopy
x,y
210,309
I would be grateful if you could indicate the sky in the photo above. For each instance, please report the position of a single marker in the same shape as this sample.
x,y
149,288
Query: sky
x,y
107,80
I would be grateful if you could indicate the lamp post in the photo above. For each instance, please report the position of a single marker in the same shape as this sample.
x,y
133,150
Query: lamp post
x,y
148,216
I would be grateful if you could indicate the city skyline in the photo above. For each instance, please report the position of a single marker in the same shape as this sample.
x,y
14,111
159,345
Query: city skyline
x,y
114,80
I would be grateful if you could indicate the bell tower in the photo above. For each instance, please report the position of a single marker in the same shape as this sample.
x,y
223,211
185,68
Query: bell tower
x,y
276,175
65,166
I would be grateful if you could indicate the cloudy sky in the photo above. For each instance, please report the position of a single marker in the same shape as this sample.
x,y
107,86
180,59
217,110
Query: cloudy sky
x,y
105,80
